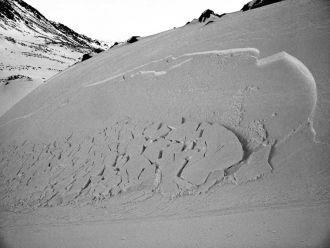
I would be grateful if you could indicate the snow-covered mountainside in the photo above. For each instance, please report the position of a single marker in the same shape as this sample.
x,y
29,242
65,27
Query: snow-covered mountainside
x,y
20,19
33,46
214,134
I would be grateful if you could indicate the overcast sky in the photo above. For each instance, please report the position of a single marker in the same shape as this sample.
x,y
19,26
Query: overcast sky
x,y
121,19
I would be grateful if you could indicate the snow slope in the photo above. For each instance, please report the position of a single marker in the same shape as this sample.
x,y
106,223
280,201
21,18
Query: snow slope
x,y
213,134
33,46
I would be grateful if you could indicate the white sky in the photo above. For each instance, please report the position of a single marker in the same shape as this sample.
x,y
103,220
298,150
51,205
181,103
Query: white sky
x,y
121,19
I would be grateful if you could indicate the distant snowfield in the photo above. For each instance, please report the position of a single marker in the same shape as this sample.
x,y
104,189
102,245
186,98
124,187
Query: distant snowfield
x,y
19,57
32,46
209,135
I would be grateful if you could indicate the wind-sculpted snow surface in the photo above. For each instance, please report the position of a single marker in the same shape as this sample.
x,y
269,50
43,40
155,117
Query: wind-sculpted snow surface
x,y
213,134
233,107
232,87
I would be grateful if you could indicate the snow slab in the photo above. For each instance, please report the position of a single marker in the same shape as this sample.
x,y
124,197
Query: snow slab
x,y
172,133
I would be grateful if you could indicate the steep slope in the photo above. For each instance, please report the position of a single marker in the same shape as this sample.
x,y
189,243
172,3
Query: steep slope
x,y
33,46
18,18
211,119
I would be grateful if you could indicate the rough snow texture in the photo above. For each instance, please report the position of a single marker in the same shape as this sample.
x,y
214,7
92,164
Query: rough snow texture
x,y
140,157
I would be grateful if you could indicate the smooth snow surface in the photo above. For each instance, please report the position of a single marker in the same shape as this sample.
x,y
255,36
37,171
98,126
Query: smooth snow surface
x,y
210,135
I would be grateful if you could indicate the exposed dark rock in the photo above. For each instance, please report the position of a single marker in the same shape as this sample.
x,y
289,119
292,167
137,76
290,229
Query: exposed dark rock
x,y
98,50
133,39
7,10
15,14
86,56
14,77
10,39
258,3
115,44
207,14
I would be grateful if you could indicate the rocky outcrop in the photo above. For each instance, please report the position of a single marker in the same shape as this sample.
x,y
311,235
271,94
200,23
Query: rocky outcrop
x,y
86,56
14,77
258,3
133,39
207,14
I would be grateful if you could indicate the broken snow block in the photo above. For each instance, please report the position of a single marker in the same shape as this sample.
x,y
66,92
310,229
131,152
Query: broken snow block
x,y
167,156
162,132
198,172
135,166
227,154
95,179
193,135
109,172
147,178
217,136
125,135
184,186
115,191
148,172
211,180
186,154
203,125
256,166
124,179
112,137
174,121
121,160
68,198
110,160
181,132
47,195
173,170
97,170
139,129
196,157
99,189
169,190
38,184
122,147
55,201
135,146
154,150
152,129
112,181
113,146
79,185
